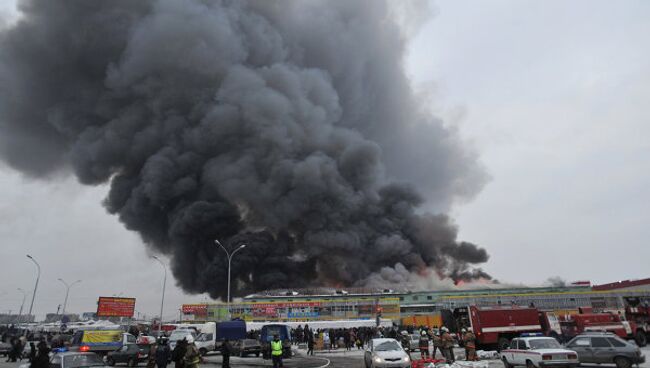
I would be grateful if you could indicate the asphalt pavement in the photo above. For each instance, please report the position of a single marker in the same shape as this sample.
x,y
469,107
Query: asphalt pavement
x,y
332,359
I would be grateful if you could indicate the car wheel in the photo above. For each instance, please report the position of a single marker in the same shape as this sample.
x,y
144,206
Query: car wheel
x,y
503,343
622,362
641,339
529,364
506,364
110,361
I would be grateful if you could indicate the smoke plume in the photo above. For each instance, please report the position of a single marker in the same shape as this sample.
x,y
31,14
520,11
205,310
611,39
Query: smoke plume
x,y
289,126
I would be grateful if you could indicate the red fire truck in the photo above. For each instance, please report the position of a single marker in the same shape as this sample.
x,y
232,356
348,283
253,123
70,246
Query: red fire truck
x,y
637,313
586,320
496,326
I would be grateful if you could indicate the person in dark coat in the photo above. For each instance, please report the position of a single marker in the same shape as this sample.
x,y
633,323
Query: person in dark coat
x,y
162,354
42,358
32,351
178,355
225,353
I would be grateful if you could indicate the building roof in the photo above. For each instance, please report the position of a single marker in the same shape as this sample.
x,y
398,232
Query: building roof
x,y
622,284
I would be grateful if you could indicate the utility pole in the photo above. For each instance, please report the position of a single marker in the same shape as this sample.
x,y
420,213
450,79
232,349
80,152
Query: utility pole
x,y
229,255
162,302
38,277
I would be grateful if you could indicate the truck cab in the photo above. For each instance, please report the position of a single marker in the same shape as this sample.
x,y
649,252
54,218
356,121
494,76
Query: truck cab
x,y
266,336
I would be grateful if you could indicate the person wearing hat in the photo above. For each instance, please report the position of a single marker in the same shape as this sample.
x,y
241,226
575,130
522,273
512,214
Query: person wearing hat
x,y
470,345
437,344
447,345
276,351
423,344
192,355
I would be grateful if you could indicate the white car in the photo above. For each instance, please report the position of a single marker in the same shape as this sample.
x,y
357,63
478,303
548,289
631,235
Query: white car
x,y
538,351
178,335
386,353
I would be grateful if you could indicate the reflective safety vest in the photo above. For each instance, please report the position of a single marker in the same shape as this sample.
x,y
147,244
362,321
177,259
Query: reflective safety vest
x,y
276,348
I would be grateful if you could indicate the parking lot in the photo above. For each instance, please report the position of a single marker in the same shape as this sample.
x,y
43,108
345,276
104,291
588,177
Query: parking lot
x,y
334,359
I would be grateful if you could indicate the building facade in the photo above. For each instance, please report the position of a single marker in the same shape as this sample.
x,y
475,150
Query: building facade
x,y
407,307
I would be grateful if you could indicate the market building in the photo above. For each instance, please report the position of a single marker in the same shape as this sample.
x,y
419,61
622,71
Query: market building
x,y
416,307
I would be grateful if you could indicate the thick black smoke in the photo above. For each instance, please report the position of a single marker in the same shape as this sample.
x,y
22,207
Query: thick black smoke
x,y
289,126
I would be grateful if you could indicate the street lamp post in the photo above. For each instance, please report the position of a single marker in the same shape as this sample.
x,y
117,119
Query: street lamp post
x,y
67,292
20,313
230,255
162,302
38,277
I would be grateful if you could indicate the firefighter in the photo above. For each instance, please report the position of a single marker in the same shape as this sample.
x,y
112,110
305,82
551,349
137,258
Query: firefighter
x,y
437,344
470,345
447,345
423,344
276,351
404,340
192,356
463,331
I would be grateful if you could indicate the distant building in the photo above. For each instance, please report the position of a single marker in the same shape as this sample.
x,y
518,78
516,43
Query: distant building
x,y
8,319
331,304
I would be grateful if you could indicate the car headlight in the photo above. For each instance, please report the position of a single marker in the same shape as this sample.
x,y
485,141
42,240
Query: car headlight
x,y
407,359
377,360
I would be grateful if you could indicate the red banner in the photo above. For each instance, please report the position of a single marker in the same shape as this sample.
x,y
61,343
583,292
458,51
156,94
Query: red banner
x,y
195,309
115,307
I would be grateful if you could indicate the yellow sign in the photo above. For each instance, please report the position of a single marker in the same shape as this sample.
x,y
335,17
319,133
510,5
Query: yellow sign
x,y
102,336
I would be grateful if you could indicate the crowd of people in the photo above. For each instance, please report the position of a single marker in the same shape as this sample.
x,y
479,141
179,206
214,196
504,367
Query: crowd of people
x,y
440,340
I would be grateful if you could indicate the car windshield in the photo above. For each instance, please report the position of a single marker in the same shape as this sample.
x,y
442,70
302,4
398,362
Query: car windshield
x,y
82,360
179,335
544,344
388,346
204,337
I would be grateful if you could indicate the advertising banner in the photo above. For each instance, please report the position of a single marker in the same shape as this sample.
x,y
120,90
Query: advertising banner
x,y
195,309
115,307
102,337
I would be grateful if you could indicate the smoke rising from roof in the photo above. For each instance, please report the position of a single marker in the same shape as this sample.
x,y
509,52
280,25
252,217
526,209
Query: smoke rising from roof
x,y
289,126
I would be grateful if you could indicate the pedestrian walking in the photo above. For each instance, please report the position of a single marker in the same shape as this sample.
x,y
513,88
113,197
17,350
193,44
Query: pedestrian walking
x,y
162,353
276,352
310,342
225,353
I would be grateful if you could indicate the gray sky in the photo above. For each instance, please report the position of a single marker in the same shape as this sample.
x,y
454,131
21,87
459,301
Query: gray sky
x,y
554,95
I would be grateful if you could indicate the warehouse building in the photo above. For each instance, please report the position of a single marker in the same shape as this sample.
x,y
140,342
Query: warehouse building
x,y
416,307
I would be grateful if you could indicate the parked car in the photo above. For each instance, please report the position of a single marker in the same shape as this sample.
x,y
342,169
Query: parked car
x,y
385,353
246,347
73,359
131,354
5,348
604,347
534,350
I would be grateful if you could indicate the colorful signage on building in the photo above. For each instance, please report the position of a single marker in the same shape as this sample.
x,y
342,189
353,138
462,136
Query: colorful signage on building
x,y
195,309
